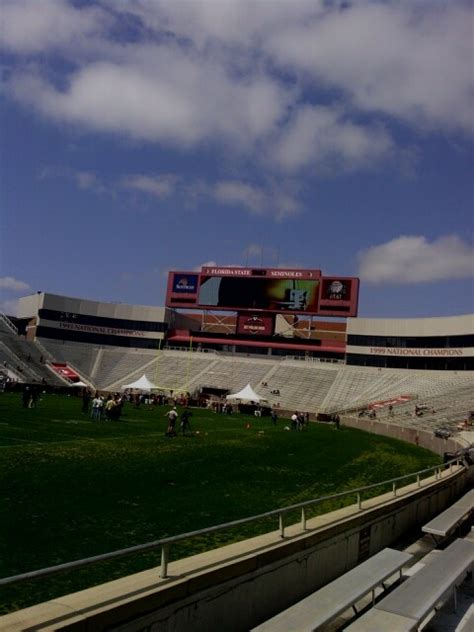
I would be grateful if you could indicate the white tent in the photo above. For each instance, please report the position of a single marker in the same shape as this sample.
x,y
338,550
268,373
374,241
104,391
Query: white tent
x,y
79,384
247,394
142,384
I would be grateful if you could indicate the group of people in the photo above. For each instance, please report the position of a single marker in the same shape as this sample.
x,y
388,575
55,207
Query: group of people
x,y
110,409
157,399
299,420
172,416
274,391
368,412
221,406
100,408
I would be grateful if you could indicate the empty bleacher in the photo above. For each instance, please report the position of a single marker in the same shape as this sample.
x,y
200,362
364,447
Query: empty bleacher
x,y
358,387
77,355
302,386
174,370
235,374
116,365
27,359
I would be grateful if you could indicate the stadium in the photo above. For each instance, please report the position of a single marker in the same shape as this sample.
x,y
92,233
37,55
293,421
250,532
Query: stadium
x,y
263,341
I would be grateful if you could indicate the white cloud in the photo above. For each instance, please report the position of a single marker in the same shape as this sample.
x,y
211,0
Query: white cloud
x,y
170,98
10,283
241,194
269,200
30,26
411,62
324,136
413,259
246,75
160,186
85,180
238,23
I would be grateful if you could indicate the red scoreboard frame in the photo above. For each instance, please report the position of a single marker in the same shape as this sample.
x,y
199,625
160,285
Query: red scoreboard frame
x,y
263,290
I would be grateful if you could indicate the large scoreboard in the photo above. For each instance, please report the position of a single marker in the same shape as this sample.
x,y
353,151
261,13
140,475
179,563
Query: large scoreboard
x,y
263,290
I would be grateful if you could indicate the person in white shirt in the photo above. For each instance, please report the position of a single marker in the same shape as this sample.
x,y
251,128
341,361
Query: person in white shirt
x,y
172,417
294,421
97,404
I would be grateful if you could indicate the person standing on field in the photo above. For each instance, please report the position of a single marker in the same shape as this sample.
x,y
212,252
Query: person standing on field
x,y
96,407
172,416
185,415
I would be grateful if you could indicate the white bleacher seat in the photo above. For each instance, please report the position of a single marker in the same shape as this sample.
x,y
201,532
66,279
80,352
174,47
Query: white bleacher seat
x,y
410,604
324,605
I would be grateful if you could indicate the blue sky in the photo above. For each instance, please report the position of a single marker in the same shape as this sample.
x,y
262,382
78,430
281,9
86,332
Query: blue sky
x,y
139,136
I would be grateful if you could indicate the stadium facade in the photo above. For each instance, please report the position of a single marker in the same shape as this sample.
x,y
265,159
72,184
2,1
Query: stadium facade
x,y
44,315
265,312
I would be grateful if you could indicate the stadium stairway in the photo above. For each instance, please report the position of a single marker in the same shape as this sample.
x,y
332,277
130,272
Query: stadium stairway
x,y
26,357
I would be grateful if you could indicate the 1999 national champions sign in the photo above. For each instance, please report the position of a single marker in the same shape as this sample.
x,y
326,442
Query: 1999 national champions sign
x,y
270,290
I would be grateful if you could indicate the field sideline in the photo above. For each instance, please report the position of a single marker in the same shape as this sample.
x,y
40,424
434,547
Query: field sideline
x,y
71,488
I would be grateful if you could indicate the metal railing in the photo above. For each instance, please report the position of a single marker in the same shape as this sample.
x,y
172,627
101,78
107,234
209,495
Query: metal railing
x,y
201,351
8,324
165,543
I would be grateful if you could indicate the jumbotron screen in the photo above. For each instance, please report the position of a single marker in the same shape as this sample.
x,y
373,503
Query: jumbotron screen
x,y
270,295
264,289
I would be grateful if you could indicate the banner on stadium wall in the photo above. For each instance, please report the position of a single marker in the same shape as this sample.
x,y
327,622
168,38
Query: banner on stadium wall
x,y
255,324
65,371
400,399
185,283
97,329
413,352
272,273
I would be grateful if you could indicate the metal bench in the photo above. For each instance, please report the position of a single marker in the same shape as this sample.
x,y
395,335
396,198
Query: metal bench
x,y
409,605
446,522
330,601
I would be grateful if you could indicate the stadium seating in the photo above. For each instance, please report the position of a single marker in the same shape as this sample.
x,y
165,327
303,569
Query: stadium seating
x,y
25,357
302,386
447,410
235,373
410,604
448,521
77,355
357,387
307,386
169,370
322,607
116,365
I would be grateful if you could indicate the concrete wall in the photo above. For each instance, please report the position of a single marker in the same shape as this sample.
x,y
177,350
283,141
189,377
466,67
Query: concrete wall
x,y
422,438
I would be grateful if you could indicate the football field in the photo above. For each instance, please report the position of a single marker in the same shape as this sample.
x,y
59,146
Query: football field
x,y
71,488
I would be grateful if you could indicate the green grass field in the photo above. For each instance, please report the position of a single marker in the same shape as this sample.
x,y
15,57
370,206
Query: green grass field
x,y
71,488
